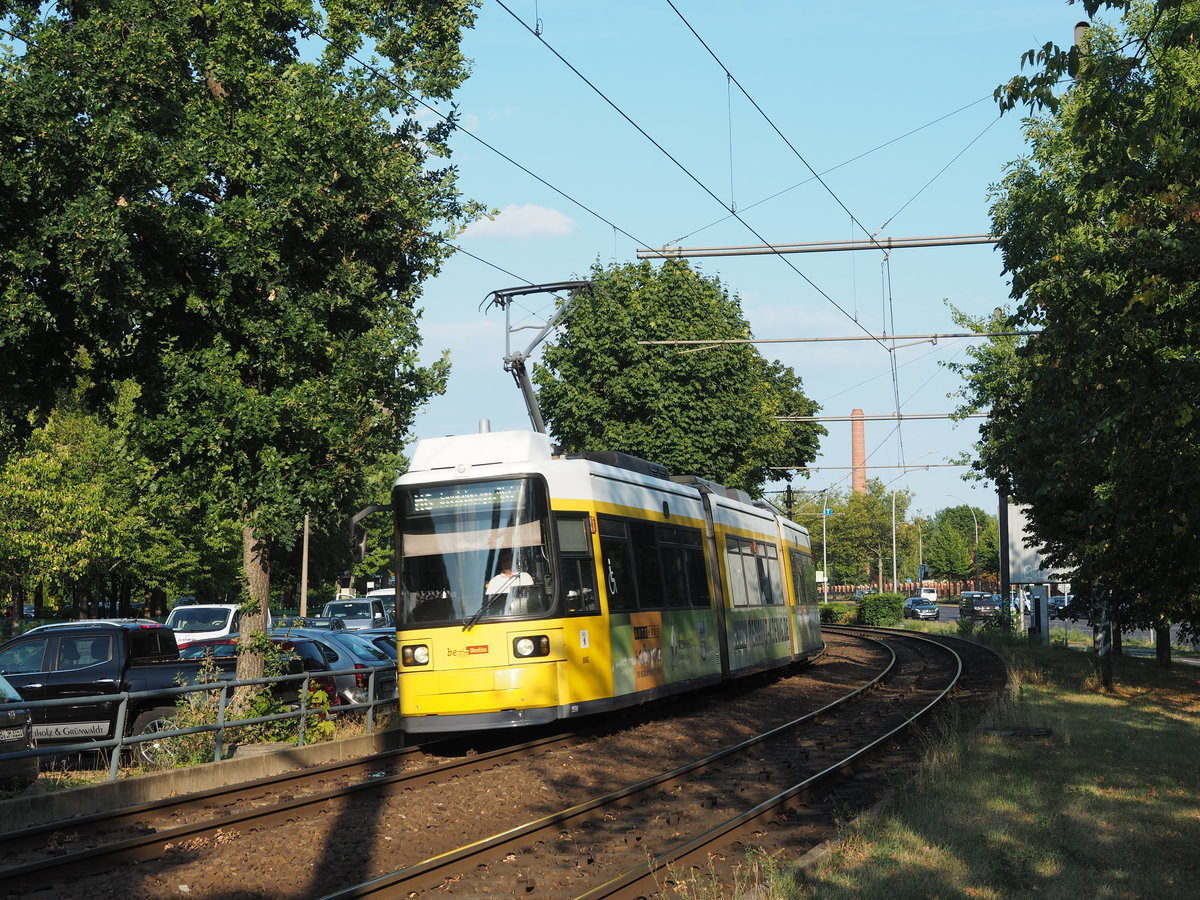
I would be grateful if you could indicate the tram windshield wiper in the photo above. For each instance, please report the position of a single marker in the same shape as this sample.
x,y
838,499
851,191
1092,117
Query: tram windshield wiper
x,y
483,608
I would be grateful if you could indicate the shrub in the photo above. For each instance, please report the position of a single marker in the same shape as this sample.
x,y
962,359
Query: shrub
x,y
834,613
199,708
881,609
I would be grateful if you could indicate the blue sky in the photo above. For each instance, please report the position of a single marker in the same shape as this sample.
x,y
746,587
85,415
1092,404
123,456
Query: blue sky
x,y
891,102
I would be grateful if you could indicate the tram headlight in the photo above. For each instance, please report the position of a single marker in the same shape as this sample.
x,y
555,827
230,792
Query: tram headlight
x,y
415,655
525,647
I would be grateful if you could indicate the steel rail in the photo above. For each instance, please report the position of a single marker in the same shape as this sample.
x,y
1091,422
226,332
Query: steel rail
x,y
426,873
154,844
631,884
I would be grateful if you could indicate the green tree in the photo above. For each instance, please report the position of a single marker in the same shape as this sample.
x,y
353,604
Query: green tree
x,y
859,534
222,202
1096,431
947,554
711,412
75,520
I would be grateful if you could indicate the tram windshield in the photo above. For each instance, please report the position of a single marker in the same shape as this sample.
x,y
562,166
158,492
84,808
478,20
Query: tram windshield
x,y
473,551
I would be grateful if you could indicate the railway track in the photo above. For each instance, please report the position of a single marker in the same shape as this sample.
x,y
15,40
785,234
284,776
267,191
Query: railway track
x,y
561,818
35,858
639,837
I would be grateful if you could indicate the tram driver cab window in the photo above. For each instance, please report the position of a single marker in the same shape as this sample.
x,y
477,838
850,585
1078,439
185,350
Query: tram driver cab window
x,y
511,581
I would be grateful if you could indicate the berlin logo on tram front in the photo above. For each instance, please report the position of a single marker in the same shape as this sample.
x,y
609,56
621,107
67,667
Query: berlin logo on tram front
x,y
471,650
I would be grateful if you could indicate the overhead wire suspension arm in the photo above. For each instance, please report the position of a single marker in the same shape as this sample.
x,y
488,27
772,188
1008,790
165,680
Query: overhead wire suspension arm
x,y
514,362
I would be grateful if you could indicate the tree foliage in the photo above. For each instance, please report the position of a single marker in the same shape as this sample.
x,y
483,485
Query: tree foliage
x,y
947,555
77,523
710,412
855,540
223,203
1096,429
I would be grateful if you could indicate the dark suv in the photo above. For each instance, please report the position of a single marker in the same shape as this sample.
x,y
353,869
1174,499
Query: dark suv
x,y
972,604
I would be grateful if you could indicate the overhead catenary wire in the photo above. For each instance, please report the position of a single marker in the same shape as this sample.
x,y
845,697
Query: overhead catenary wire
x,y
768,120
707,190
457,127
833,168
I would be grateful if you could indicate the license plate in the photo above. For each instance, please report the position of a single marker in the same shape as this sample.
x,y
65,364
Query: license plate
x,y
11,734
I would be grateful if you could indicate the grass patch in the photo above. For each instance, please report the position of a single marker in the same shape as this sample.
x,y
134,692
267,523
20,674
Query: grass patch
x,y
1107,805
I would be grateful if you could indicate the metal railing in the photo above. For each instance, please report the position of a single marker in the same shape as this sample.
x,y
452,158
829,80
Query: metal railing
x,y
119,741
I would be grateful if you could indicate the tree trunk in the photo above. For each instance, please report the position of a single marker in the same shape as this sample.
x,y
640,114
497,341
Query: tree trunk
x,y
257,564
1162,644
1104,648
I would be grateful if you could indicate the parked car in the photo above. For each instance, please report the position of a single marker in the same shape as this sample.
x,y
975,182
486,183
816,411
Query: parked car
x,y
305,656
359,613
349,650
383,638
921,608
95,658
1059,607
197,621
322,622
16,735
973,604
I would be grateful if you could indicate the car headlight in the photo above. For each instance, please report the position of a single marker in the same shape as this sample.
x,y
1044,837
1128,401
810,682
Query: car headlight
x,y
525,647
415,655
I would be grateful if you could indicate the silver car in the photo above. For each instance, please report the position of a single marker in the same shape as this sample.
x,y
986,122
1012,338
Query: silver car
x,y
921,608
347,650
358,613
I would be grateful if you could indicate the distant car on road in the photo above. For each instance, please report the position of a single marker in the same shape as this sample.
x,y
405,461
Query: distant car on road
x,y
929,593
975,604
921,608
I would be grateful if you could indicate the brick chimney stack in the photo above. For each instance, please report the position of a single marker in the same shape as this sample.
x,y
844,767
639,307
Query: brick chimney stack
x,y
858,451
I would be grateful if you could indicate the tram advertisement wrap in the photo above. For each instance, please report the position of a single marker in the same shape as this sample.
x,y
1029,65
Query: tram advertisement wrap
x,y
655,648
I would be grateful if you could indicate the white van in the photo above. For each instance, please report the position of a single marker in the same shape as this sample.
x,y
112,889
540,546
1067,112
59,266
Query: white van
x,y
195,622
928,593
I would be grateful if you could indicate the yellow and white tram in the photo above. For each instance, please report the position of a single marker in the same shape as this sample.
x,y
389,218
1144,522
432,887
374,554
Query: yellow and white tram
x,y
534,585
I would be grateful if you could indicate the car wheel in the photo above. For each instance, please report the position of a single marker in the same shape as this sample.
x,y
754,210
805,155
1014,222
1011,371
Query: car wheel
x,y
163,753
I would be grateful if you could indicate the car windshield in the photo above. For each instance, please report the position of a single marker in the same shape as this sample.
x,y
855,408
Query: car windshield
x,y
193,619
347,609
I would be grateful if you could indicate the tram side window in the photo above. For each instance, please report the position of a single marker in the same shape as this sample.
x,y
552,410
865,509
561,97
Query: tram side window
x,y
685,581
735,560
645,561
616,565
753,572
675,591
578,575
773,590
804,577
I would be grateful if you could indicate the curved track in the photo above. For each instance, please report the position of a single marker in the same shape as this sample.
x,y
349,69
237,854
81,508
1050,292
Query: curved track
x,y
560,817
